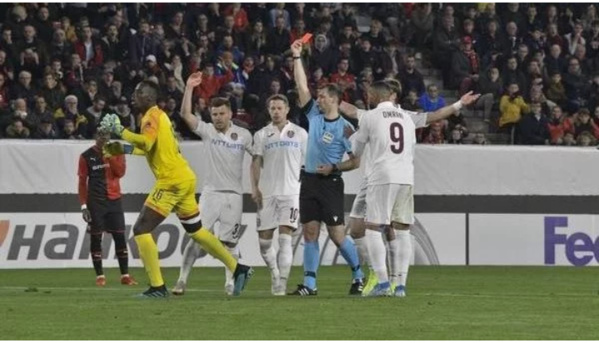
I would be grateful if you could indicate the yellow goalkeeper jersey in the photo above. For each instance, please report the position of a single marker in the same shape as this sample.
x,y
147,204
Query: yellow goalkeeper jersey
x,y
158,143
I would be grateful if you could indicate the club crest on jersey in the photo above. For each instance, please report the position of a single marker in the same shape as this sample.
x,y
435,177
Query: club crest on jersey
x,y
327,137
290,134
234,136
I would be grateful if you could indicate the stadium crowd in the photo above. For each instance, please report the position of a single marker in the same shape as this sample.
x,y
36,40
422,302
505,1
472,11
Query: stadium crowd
x,y
62,66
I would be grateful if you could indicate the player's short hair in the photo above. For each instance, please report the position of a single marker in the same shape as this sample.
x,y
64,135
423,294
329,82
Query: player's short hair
x,y
220,101
333,91
381,88
395,86
154,91
278,97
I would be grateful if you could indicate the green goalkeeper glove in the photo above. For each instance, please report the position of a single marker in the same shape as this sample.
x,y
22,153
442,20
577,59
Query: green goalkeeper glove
x,y
112,123
117,148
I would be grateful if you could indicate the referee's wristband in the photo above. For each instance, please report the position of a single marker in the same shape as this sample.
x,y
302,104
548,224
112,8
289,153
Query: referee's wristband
x,y
335,169
297,57
83,207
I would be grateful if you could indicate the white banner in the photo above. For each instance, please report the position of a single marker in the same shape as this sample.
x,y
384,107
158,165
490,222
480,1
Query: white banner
x,y
58,240
28,167
534,239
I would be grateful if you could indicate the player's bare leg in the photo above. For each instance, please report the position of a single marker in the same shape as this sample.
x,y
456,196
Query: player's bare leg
x,y
404,246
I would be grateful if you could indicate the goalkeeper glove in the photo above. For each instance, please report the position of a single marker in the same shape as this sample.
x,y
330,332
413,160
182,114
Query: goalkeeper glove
x,y
117,148
112,123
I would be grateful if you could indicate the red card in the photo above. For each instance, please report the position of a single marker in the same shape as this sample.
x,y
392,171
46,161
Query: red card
x,y
306,38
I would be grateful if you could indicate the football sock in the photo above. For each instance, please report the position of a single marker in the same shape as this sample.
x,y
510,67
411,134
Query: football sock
x,y
96,252
148,252
269,255
377,254
350,254
285,257
362,251
234,251
120,245
311,261
190,255
214,247
405,254
394,260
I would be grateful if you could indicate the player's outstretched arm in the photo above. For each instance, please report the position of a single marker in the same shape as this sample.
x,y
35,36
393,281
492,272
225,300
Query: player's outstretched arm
x,y
349,109
190,119
447,111
300,74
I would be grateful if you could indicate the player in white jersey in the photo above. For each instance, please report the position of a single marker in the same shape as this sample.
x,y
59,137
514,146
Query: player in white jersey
x,y
279,151
225,145
390,134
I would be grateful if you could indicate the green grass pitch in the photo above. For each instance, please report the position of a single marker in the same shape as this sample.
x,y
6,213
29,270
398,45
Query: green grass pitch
x,y
443,303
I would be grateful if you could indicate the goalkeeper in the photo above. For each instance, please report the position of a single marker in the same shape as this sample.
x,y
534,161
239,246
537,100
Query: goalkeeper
x,y
174,189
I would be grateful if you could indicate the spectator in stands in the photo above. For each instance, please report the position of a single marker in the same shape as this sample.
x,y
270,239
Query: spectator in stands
x,y
490,46
4,93
256,40
345,80
465,66
456,136
558,126
25,88
586,139
512,74
391,59
69,132
46,130
514,15
70,111
575,38
445,42
534,127
39,112
113,49
411,102
317,81
89,49
554,62
512,106
576,85
17,130
434,134
52,92
585,124
533,22
422,21
553,36
490,86
32,51
479,139
59,46
431,100
555,89
142,44
410,77
278,39
280,12
592,40
324,56
94,114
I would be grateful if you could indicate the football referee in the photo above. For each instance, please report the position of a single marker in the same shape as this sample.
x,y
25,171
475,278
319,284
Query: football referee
x,y
321,193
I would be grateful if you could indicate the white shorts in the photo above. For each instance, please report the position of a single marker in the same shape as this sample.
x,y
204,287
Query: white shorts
x,y
358,209
226,209
280,210
390,203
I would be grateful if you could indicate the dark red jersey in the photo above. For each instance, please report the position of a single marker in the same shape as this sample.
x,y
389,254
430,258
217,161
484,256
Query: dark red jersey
x,y
99,176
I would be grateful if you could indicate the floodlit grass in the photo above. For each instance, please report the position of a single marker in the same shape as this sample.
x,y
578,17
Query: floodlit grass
x,y
443,303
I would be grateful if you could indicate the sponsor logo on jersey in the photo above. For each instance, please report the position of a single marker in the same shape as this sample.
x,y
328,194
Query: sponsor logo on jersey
x,y
328,137
290,133
234,136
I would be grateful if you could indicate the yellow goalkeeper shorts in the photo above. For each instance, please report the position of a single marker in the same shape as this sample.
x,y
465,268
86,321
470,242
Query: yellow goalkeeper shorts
x,y
179,197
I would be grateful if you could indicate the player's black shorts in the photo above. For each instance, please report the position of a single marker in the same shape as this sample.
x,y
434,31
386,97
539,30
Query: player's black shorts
x,y
107,215
321,199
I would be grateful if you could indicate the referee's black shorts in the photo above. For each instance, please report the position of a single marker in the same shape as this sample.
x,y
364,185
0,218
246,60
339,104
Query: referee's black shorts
x,y
321,199
107,215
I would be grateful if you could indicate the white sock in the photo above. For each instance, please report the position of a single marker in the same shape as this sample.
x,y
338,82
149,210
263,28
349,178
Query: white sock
x,y
270,256
229,274
394,260
377,254
192,252
405,254
362,251
285,258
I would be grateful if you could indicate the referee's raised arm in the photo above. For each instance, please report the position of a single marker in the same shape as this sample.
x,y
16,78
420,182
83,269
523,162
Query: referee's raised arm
x,y
300,74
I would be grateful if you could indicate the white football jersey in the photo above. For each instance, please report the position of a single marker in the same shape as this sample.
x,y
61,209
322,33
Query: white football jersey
x,y
283,153
390,135
224,156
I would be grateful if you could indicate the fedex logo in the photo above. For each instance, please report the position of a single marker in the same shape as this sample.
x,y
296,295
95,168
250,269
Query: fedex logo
x,y
580,248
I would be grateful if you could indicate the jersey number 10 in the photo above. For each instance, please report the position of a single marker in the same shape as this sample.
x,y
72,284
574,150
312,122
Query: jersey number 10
x,y
396,135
